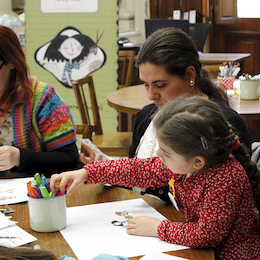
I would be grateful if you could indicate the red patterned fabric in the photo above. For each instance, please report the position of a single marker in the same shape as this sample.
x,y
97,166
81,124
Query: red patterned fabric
x,y
216,203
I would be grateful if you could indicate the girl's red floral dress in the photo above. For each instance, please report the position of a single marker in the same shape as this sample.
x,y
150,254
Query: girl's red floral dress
x,y
216,203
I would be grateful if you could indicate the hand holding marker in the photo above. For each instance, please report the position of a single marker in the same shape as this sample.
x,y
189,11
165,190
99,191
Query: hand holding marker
x,y
40,188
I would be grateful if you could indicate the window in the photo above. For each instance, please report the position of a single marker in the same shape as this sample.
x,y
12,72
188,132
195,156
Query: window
x,y
248,9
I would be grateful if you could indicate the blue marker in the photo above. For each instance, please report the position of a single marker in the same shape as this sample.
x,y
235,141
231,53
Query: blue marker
x,y
43,180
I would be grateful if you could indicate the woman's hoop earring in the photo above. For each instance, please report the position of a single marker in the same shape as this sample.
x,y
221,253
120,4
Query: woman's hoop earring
x,y
195,167
192,83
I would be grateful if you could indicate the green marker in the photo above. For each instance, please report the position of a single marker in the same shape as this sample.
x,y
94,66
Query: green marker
x,y
44,192
38,178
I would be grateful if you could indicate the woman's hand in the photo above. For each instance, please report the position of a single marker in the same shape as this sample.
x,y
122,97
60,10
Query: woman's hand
x,y
93,155
75,178
143,226
9,157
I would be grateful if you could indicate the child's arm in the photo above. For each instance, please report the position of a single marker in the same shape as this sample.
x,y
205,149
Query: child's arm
x,y
134,172
125,172
75,178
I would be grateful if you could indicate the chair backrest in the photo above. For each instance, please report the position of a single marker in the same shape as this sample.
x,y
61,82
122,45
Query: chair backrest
x,y
80,89
86,132
152,25
199,32
126,66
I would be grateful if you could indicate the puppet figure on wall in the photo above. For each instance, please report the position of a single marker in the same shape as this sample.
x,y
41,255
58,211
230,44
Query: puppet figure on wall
x,y
70,56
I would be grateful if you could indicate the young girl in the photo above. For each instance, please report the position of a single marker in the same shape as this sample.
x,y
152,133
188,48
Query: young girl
x,y
209,173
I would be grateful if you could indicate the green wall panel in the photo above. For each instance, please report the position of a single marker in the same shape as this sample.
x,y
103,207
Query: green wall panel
x,y
40,28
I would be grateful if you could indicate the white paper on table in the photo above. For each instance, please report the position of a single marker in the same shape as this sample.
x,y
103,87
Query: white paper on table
x,y
5,222
21,237
13,190
89,231
161,256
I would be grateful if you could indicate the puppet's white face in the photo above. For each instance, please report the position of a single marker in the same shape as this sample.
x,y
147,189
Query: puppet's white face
x,y
70,48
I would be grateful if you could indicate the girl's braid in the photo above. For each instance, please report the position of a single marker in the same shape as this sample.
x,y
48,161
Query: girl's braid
x,y
250,167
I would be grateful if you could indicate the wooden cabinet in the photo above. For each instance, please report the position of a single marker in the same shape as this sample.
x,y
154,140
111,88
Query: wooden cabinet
x,y
225,11
228,33
164,8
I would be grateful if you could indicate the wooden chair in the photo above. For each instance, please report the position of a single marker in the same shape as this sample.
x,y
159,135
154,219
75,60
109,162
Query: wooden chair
x,y
85,132
126,61
126,66
112,144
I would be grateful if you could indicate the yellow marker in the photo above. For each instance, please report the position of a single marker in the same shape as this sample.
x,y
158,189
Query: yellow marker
x,y
171,183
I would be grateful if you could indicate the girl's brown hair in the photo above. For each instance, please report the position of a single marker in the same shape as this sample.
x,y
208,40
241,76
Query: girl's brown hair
x,y
25,254
193,126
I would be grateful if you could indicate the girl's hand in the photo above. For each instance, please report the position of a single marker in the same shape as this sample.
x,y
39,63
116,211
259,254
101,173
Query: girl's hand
x,y
75,178
9,157
143,226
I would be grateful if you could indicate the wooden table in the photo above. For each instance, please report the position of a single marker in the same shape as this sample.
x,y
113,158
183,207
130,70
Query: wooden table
x,y
91,194
219,58
129,100
211,58
133,99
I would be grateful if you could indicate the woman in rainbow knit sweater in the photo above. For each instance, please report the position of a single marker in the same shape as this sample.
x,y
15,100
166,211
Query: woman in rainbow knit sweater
x,y
37,131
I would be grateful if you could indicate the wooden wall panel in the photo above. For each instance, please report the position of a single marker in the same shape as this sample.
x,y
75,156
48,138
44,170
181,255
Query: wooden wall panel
x,y
167,7
244,42
240,44
164,8
192,5
154,8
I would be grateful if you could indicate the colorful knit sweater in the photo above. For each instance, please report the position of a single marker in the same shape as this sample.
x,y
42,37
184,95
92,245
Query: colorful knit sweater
x,y
44,123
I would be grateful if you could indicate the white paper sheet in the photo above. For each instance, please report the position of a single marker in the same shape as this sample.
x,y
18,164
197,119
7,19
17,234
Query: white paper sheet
x,y
89,231
12,235
13,190
21,237
5,221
